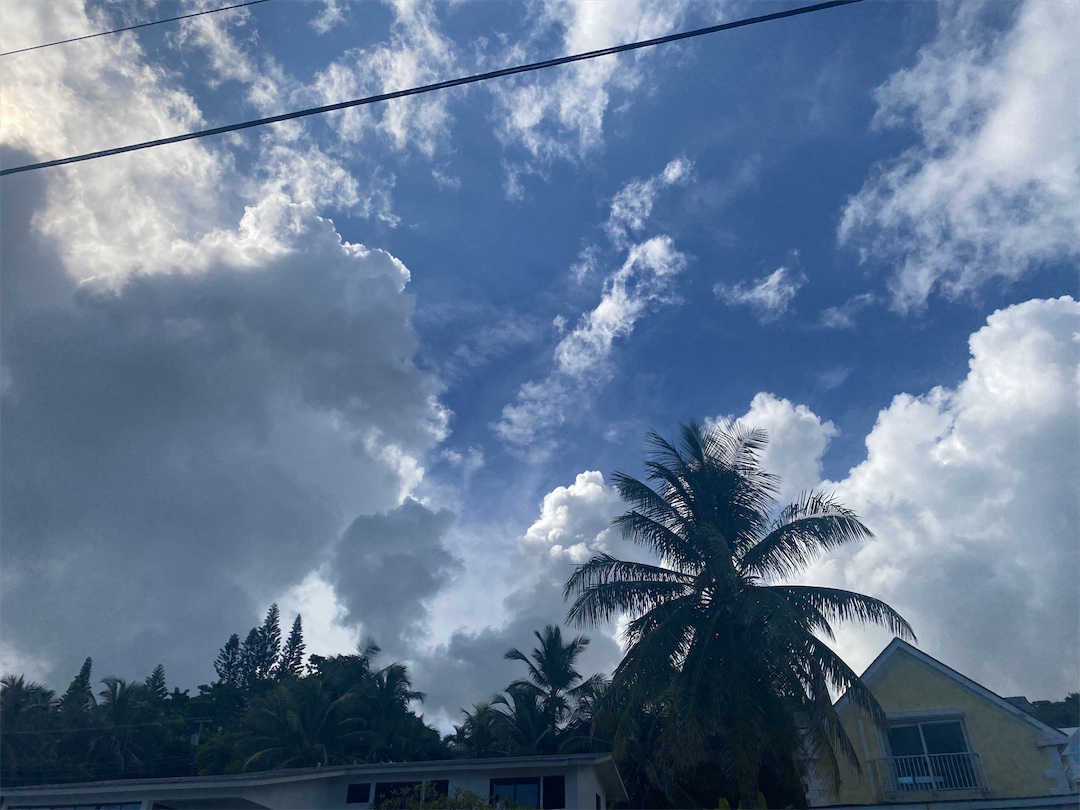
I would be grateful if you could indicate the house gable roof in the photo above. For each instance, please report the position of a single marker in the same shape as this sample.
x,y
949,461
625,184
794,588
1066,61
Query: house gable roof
x,y
1051,735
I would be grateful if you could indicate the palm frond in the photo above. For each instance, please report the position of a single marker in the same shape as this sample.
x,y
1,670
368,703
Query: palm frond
x,y
643,498
666,453
514,654
843,679
675,488
802,530
661,540
604,602
663,618
840,605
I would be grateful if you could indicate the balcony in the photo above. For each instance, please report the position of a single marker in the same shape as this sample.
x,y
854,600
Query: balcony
x,y
929,773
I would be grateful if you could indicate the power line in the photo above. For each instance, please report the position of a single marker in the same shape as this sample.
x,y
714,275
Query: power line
x,y
132,27
428,88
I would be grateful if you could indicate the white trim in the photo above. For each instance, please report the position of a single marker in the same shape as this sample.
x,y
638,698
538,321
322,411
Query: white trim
x,y
1069,800
877,666
928,714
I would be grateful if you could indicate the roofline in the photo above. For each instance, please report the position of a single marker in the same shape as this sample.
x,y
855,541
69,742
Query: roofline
x,y
1049,800
876,666
256,778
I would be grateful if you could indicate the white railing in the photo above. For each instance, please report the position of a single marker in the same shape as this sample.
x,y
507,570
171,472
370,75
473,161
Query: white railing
x,y
930,773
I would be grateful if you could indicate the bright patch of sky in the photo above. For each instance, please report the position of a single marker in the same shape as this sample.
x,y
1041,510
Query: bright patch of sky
x,y
379,366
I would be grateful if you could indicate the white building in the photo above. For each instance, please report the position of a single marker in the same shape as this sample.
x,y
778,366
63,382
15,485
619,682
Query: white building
x,y
581,781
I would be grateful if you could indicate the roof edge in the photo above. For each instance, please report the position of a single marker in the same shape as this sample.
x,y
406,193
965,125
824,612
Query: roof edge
x,y
873,671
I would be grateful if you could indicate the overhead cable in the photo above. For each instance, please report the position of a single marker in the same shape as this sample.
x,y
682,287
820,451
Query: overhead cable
x,y
428,88
132,27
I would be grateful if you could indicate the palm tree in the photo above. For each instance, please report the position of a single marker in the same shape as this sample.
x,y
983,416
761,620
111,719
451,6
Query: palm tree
x,y
717,641
124,709
524,727
552,674
300,723
387,698
24,715
480,733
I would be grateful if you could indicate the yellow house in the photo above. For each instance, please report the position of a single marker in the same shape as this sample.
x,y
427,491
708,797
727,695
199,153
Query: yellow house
x,y
948,741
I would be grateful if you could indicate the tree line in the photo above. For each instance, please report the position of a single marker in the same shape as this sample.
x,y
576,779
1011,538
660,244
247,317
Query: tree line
x,y
725,685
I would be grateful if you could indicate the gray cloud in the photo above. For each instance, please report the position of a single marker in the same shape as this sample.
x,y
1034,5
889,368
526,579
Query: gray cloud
x,y
182,447
386,565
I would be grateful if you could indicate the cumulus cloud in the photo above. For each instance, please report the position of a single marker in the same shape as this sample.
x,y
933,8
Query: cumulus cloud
x,y
217,425
798,439
574,523
203,383
769,296
971,493
575,518
384,556
991,187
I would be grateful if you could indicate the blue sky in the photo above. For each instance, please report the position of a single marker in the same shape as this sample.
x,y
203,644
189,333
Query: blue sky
x,y
377,366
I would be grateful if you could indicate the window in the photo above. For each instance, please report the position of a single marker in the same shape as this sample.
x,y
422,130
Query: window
x,y
522,791
554,792
387,790
931,755
359,793
440,787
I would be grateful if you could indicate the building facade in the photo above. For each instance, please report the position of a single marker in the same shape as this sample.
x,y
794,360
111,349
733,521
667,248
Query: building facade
x,y
947,741
578,781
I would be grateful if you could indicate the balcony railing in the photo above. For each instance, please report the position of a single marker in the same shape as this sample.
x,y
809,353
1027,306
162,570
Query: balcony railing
x,y
925,773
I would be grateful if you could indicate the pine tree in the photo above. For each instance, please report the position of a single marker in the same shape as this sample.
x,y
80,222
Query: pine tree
x,y
227,663
291,664
251,654
78,700
155,684
271,643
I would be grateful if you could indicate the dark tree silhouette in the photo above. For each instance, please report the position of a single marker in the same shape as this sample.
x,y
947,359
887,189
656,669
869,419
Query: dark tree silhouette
x,y
719,644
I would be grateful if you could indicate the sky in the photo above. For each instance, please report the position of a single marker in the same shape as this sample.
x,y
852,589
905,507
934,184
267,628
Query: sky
x,y
379,366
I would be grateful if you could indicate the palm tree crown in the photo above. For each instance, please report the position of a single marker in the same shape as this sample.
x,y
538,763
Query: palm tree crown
x,y
554,677
715,637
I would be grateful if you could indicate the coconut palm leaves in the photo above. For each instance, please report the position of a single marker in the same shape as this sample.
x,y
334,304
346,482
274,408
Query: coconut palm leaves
x,y
715,636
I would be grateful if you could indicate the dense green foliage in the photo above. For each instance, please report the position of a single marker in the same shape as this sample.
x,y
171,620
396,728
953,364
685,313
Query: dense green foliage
x,y
265,710
1060,713
725,684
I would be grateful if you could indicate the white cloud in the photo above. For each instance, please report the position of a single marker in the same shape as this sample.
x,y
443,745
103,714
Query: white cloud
x,y
769,296
330,15
444,180
416,53
632,205
991,189
971,493
575,516
561,115
324,617
642,282
581,356
843,315
798,439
